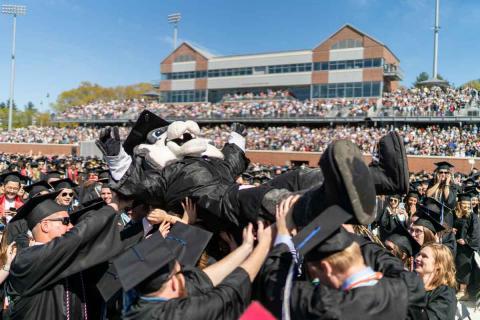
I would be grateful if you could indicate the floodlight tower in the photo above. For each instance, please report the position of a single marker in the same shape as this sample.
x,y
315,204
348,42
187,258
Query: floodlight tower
x,y
174,19
14,10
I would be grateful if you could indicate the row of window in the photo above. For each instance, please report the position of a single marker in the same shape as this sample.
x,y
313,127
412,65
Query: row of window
x,y
183,96
286,68
283,68
348,64
348,43
184,58
347,90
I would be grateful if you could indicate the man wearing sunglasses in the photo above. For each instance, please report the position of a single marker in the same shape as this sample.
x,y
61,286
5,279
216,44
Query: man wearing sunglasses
x,y
46,280
443,189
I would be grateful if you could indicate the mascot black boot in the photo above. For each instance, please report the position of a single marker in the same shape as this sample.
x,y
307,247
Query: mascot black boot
x,y
348,183
390,172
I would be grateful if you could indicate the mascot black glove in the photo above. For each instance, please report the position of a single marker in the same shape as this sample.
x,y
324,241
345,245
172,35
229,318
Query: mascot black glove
x,y
109,141
239,128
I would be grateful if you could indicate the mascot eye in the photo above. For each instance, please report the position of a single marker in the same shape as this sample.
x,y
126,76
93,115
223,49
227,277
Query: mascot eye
x,y
157,133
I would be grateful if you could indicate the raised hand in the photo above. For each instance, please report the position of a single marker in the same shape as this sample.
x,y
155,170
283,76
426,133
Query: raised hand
x,y
189,211
109,141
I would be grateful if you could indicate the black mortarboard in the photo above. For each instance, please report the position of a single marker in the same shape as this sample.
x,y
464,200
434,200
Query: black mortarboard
x,y
443,165
187,242
433,207
403,239
88,206
37,187
13,176
146,122
150,260
53,174
38,208
324,236
63,184
427,221
464,197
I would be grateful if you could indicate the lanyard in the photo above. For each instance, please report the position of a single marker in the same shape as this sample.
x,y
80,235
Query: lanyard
x,y
153,299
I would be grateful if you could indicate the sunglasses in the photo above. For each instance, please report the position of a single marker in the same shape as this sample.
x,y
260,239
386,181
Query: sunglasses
x,y
65,220
393,200
443,172
64,194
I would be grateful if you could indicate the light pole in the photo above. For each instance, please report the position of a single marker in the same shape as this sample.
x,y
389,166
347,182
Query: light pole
x,y
14,10
174,19
436,29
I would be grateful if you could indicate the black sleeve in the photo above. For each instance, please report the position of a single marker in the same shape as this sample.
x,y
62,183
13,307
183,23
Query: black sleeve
x,y
273,277
378,258
235,159
196,281
95,239
473,233
449,240
142,182
227,300
442,305
451,201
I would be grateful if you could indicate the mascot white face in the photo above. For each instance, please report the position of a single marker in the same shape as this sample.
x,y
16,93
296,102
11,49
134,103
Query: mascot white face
x,y
181,139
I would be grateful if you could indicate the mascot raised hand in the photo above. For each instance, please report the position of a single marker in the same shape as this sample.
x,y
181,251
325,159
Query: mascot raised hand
x,y
162,163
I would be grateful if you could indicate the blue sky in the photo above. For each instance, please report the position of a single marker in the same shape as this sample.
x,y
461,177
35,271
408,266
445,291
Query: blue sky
x,y
63,42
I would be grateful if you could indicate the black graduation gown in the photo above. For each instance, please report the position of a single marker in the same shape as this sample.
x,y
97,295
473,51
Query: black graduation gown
x,y
398,295
46,280
226,301
388,224
441,303
467,229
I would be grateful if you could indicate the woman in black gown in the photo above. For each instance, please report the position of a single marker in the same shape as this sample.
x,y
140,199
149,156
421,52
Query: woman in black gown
x,y
435,265
467,234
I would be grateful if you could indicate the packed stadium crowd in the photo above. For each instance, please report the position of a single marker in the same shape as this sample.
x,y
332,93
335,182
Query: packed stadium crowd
x,y
402,102
429,140
202,236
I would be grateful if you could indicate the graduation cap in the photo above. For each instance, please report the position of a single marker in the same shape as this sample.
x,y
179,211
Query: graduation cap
x,y
146,265
443,165
53,174
38,208
88,206
464,197
146,122
187,242
37,187
433,207
429,222
324,236
63,184
13,176
404,240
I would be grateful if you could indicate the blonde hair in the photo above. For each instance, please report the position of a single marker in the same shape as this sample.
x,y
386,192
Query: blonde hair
x,y
343,260
444,266
458,211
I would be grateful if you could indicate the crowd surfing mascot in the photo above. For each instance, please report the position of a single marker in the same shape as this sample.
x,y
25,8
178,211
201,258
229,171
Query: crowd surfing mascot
x,y
161,164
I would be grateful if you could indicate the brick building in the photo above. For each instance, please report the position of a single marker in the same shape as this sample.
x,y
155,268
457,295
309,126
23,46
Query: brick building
x,y
348,64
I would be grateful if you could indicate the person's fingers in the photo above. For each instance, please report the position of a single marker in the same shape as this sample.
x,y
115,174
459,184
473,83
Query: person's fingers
x,y
116,133
260,227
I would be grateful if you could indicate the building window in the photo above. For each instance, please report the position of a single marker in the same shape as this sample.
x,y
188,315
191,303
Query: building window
x,y
184,58
183,96
348,43
347,90
348,64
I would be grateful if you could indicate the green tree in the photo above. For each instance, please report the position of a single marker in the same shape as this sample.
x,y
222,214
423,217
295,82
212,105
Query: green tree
x,y
475,84
423,76
88,92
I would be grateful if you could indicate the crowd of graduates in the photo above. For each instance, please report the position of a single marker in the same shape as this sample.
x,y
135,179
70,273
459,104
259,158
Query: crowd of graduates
x,y
89,238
